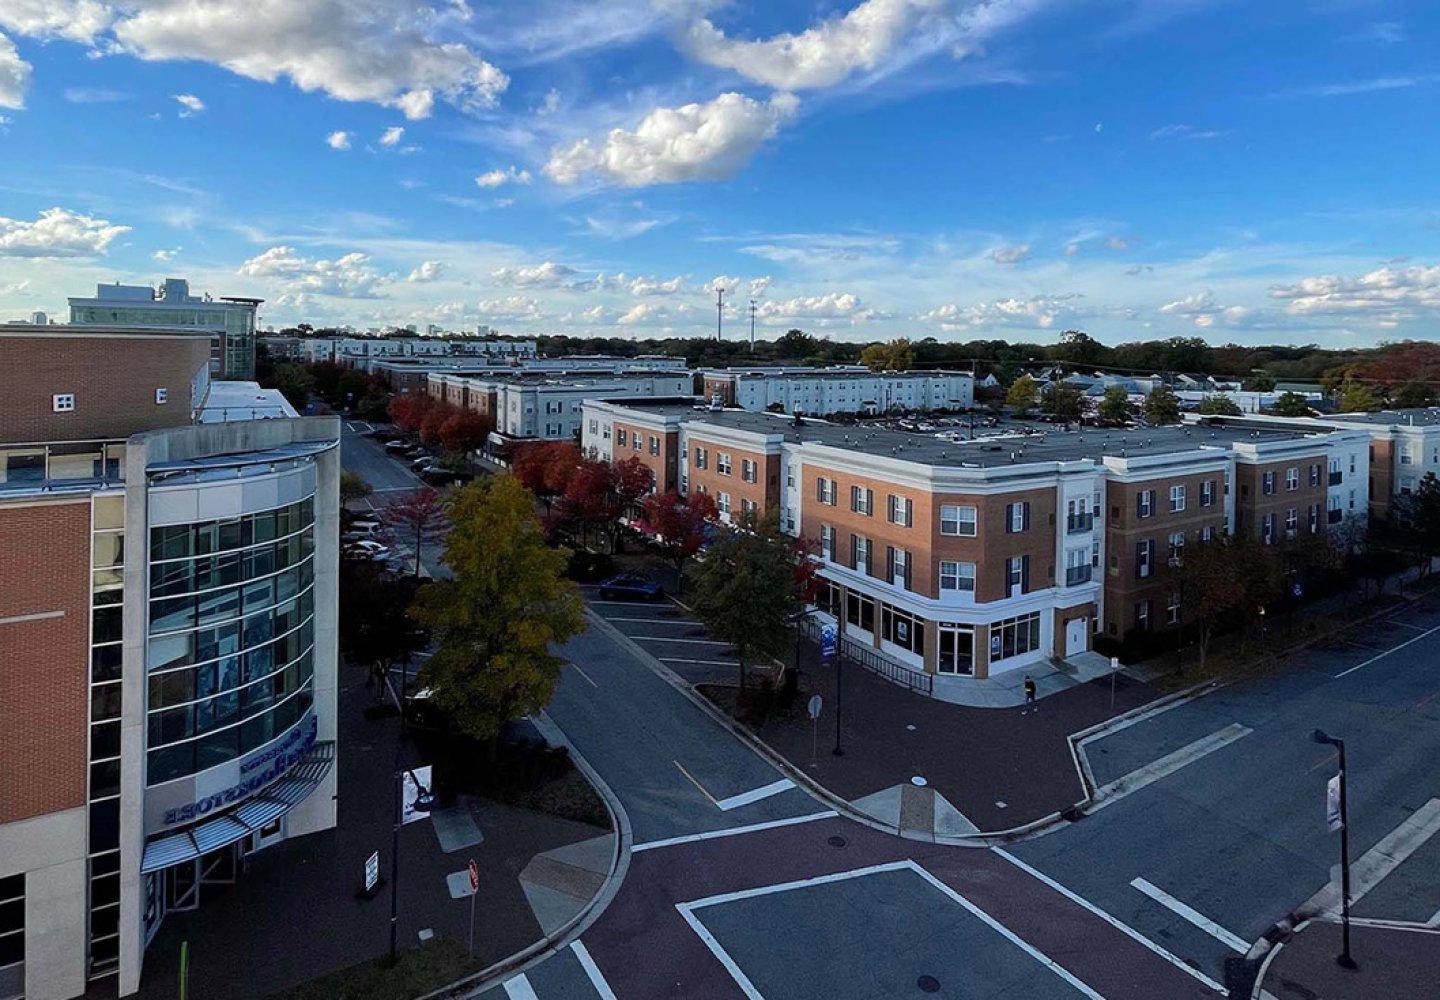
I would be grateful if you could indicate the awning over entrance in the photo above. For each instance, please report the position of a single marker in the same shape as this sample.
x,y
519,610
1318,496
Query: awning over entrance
x,y
254,813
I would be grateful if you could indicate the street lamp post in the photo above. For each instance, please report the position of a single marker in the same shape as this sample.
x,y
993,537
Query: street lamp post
x,y
1344,959
424,800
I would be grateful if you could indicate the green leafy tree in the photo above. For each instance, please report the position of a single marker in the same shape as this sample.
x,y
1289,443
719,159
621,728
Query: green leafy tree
x,y
1078,347
1259,383
1291,404
295,382
499,616
1418,516
353,488
1220,406
896,356
1022,394
1115,405
1162,406
375,628
1413,394
1062,401
746,590
1356,397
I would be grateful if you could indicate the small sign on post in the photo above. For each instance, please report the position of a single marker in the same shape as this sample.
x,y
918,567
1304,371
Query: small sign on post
x,y
474,891
372,871
813,708
829,642
1332,804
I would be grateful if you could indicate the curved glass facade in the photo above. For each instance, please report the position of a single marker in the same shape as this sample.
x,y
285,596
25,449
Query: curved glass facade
x,y
230,657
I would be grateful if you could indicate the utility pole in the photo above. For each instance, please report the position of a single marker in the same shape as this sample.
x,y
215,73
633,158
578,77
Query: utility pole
x,y
1345,960
719,309
752,326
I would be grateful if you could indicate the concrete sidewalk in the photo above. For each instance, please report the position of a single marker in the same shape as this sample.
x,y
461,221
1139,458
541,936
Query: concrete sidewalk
x,y
1392,962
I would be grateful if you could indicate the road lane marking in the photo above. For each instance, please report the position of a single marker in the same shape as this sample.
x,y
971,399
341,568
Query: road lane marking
x,y
592,971
1125,929
1167,765
1191,914
584,674
666,638
687,910
1387,652
519,988
1367,871
755,794
703,790
734,831
1392,621
703,663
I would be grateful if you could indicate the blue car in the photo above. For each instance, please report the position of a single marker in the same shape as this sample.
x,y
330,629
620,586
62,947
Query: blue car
x,y
630,587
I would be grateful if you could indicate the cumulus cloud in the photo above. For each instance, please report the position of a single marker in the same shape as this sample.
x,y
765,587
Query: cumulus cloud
x,y
641,312
820,56
392,136
546,275
351,276
1202,309
1387,292
338,140
1037,312
429,270
164,256
512,307
14,76
190,105
645,286
831,305
57,232
694,142
386,52
500,177
1009,254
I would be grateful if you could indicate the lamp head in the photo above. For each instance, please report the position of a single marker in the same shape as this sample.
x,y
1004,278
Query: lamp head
x,y
1323,738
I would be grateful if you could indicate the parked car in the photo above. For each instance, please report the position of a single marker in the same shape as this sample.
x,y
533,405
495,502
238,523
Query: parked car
x,y
630,587
436,475
367,548
589,567
362,527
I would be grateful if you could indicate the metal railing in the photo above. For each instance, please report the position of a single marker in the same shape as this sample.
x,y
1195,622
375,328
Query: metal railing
x,y
874,661
1075,575
1076,523
1336,478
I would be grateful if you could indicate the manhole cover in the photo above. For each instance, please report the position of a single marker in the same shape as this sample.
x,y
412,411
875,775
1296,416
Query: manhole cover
x,y
836,841
928,984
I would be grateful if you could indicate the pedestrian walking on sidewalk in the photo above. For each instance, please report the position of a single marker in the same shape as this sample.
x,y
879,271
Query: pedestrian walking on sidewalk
x,y
1029,695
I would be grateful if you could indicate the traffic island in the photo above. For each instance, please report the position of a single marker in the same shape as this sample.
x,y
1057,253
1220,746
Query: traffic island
x,y
1391,961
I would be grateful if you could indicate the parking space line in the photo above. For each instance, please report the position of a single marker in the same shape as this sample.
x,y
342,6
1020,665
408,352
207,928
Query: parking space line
x,y
592,971
1392,621
1387,652
755,794
1231,941
655,621
703,663
734,831
1125,929
703,790
519,988
583,674
1167,765
666,638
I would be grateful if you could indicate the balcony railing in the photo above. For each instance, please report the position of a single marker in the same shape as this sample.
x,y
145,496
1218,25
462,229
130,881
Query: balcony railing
x,y
1336,478
1076,575
1334,516
1077,523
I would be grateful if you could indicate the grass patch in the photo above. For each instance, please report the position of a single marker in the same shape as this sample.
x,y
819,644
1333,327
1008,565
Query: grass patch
x,y
417,971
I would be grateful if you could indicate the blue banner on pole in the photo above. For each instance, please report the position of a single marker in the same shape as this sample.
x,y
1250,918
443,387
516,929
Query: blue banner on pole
x,y
829,642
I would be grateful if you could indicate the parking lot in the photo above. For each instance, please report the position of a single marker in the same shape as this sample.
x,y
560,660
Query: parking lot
x,y
669,633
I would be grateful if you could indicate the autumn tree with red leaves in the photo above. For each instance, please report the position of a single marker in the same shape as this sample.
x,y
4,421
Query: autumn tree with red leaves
x,y
590,499
420,516
464,431
679,524
544,467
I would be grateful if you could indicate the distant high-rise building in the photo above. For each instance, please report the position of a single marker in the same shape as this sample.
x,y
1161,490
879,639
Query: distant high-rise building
x,y
39,318
230,320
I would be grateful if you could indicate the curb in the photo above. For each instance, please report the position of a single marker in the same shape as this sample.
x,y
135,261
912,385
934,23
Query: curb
x,y
531,956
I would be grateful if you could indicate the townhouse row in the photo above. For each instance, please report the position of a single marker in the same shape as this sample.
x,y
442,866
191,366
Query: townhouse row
x,y
966,560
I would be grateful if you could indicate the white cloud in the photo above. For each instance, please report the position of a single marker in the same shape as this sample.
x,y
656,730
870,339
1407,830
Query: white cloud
x,y
817,57
350,276
1202,309
512,307
550,104
75,20
670,145
1349,88
546,275
392,136
641,312
429,270
1038,312
378,51
338,140
654,286
500,177
831,305
1388,292
164,255
1181,131
1013,254
94,95
190,105
14,76
57,232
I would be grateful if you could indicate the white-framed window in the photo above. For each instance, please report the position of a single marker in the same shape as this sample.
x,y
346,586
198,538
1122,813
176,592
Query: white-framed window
x,y
1017,516
1267,529
1095,554
654,445
1017,574
1177,497
825,491
1144,503
722,502
1177,547
1144,558
63,402
747,470
1314,518
702,457
1314,473
1292,520
860,553
1207,533
1292,478
957,576
1267,483
637,441
1207,493
1142,614
1015,636
621,436
862,500
162,396
722,463
827,542
1172,610
749,506
901,510
898,569
958,519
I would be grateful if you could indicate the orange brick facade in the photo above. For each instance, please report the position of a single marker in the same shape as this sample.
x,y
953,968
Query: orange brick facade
x,y
44,668
1252,503
764,492
658,450
113,399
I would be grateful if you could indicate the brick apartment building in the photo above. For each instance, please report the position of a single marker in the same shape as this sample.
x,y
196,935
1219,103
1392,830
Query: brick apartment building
x,y
167,621
973,558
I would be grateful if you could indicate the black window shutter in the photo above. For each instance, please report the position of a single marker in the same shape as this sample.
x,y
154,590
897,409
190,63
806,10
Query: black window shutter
x,y
1024,574
1025,514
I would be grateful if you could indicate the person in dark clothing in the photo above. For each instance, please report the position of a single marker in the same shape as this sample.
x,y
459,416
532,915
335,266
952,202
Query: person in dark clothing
x,y
1030,695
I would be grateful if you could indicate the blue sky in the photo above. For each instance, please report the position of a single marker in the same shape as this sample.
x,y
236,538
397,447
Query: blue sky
x,y
1250,172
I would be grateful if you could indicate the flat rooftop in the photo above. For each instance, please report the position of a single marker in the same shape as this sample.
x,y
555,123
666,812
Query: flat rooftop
x,y
1425,416
1010,443
234,401
825,373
